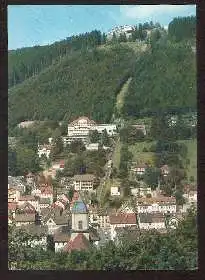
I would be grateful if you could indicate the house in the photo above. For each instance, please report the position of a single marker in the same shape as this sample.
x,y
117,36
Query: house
x,y
121,220
151,221
114,191
141,191
140,169
58,166
140,127
47,193
30,179
12,206
26,124
58,204
63,197
111,129
98,218
13,195
24,219
44,202
156,204
12,142
36,192
172,121
84,182
29,198
165,170
66,182
61,238
17,183
55,218
26,208
44,150
92,147
191,196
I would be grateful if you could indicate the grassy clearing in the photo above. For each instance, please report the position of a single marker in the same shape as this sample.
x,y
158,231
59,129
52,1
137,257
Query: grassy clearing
x,y
116,155
121,95
192,156
139,155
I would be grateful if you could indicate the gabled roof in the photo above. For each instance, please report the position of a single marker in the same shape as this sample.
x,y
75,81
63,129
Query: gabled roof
x,y
62,235
151,217
44,200
28,206
80,242
27,198
58,216
75,122
25,217
12,206
129,218
84,177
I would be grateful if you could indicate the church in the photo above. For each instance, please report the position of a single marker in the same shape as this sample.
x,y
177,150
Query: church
x,y
78,235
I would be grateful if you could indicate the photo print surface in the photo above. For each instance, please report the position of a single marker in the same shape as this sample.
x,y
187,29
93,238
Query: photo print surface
x,y
102,125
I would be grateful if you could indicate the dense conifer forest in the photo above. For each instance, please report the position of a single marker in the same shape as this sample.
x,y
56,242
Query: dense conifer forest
x,y
83,74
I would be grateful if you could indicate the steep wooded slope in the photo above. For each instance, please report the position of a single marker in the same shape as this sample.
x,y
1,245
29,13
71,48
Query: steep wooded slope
x,y
85,83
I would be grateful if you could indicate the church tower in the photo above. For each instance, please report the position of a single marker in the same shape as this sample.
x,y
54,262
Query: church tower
x,y
80,219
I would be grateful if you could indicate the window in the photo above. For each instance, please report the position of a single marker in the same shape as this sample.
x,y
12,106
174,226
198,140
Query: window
x,y
80,225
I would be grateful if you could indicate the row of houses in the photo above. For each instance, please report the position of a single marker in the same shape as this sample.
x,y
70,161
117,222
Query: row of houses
x,y
140,169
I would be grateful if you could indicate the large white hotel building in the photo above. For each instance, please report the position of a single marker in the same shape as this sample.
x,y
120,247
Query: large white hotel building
x,y
79,130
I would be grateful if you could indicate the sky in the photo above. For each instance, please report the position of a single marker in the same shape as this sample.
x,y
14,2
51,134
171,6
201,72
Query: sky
x,y
30,25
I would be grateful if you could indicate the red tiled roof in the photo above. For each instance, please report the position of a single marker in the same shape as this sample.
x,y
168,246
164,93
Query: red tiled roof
x,y
12,206
80,242
46,190
129,218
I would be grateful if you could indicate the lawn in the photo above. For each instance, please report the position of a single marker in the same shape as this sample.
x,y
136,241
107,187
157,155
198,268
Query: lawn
x,y
121,95
116,155
192,156
139,155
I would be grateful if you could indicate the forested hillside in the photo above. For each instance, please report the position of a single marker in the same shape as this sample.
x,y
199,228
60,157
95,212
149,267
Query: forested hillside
x,y
27,62
164,80
74,77
85,83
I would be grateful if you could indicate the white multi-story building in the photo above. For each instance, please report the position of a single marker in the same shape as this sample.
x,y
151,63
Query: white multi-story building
x,y
151,221
92,147
118,30
121,220
141,191
44,150
114,191
162,205
80,128
83,182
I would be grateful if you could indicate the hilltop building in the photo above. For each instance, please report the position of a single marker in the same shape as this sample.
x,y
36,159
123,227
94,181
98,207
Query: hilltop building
x,y
118,30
